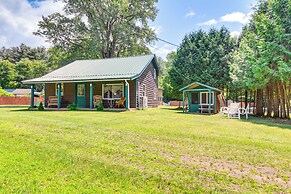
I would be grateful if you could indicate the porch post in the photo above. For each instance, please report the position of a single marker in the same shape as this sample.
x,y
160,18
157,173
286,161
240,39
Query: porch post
x,y
44,91
59,95
127,105
183,103
32,96
91,95
209,101
214,103
75,94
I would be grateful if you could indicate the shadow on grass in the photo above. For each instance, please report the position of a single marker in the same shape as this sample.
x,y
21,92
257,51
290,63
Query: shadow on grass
x,y
35,110
282,123
180,111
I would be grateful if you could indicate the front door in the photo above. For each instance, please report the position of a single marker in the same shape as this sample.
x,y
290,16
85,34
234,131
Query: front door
x,y
194,105
81,95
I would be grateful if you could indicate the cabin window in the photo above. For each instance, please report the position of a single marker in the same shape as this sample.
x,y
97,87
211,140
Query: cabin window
x,y
112,91
155,73
194,98
143,90
204,96
62,89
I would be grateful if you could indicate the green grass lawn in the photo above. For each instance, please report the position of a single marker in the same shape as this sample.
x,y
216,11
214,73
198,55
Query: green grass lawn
x,y
150,151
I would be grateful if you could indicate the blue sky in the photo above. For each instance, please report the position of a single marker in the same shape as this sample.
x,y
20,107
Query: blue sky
x,y
176,18
180,17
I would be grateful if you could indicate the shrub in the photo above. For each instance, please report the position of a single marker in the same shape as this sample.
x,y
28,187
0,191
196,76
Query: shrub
x,y
4,93
72,106
100,107
40,107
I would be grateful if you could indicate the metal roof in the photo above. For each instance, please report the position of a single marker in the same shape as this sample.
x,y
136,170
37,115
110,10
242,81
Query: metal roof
x,y
193,85
98,69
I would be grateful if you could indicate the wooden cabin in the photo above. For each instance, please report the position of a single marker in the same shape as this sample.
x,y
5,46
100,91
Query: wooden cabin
x,y
134,79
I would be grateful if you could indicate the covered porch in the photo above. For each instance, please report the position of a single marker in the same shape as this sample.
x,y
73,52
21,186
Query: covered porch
x,y
87,95
201,98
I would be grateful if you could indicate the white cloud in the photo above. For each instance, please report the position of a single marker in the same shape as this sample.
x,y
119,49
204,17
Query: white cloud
x,y
190,14
236,17
208,23
19,19
235,34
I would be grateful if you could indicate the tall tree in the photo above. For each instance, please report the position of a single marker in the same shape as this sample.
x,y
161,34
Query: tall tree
x,y
7,74
262,61
203,57
28,69
15,54
101,28
168,92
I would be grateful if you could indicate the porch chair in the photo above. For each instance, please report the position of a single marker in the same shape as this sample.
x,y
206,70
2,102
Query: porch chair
x,y
52,101
97,99
234,111
120,103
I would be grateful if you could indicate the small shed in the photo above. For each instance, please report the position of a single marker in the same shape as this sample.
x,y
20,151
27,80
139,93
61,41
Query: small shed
x,y
201,98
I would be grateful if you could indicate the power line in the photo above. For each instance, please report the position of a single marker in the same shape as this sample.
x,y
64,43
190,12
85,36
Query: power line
x,y
153,47
167,42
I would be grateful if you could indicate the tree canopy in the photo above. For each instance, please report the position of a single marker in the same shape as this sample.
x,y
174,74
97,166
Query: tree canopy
x,y
101,28
262,60
203,57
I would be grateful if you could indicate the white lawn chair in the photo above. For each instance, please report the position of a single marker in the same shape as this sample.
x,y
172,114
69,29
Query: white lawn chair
x,y
234,111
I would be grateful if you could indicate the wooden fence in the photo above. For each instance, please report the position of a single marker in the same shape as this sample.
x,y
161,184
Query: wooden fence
x,y
18,100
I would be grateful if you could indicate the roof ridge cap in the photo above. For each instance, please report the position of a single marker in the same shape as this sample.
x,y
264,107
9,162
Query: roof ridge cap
x,y
114,58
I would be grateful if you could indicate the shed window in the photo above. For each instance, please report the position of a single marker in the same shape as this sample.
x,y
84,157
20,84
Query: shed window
x,y
195,98
204,96
112,91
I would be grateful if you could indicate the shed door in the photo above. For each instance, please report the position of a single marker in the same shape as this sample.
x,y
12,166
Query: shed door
x,y
194,105
81,95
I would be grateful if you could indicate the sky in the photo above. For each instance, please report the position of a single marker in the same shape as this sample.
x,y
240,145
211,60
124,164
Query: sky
x,y
175,19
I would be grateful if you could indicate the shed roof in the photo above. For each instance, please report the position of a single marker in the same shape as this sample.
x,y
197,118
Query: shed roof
x,y
192,86
98,69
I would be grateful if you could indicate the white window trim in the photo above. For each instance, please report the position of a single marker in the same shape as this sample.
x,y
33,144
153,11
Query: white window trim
x,y
112,85
144,91
155,73
207,94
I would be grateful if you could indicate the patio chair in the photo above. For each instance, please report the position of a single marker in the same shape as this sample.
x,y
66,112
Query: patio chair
x,y
97,99
234,111
120,103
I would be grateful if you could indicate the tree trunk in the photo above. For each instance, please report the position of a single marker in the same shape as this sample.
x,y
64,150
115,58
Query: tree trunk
x,y
283,106
276,101
255,104
268,100
271,100
287,100
259,103
246,98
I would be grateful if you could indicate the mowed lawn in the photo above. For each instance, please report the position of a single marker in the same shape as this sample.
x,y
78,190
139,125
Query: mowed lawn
x,y
152,151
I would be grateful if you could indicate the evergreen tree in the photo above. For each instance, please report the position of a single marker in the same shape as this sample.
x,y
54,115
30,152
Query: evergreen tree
x,y
203,57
